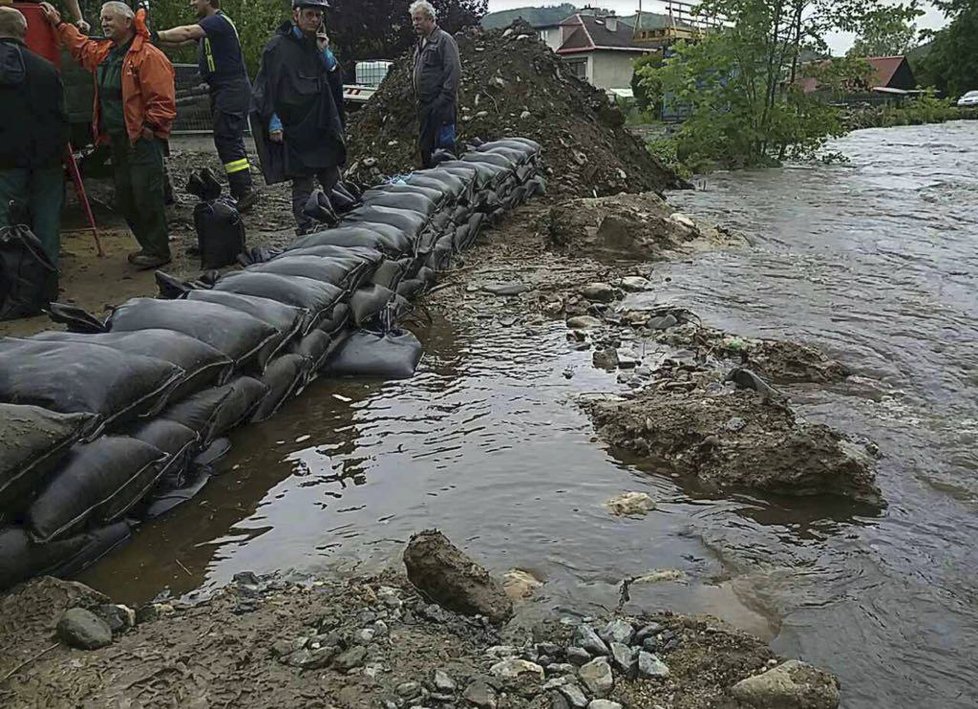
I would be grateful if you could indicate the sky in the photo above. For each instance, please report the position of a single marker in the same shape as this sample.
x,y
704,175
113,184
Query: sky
x,y
839,43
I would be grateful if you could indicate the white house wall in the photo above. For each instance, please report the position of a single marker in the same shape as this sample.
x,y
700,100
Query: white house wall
x,y
610,69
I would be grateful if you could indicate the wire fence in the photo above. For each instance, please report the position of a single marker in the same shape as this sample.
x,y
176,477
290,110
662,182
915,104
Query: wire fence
x,y
193,101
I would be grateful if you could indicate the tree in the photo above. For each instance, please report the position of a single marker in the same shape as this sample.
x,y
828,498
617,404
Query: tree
x,y
740,84
647,91
885,34
951,62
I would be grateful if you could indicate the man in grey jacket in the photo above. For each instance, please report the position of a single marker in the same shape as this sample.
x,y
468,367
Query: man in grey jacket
x,y
437,73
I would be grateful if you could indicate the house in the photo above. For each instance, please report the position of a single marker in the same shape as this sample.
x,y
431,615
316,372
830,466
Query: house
x,y
890,75
598,48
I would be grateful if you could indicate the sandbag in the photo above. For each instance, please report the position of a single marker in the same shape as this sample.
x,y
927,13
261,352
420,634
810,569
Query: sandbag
x,y
72,377
33,441
236,334
174,439
411,201
337,320
287,320
455,188
441,256
411,288
28,278
390,273
22,559
285,377
389,240
367,303
99,482
390,355
213,412
437,194
316,297
410,222
164,500
202,364
220,233
337,271
75,319
314,347
367,255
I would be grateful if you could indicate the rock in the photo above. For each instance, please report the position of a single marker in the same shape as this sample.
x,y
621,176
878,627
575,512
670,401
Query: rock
x,y
650,665
446,575
650,630
635,284
514,667
600,293
443,682
597,677
630,503
84,630
525,115
680,218
353,657
628,359
606,358
408,689
585,637
603,704
118,617
583,322
519,584
506,289
380,629
622,656
791,685
502,652
552,649
746,379
578,655
663,322
735,424
659,576
575,697
311,659
480,694
558,701
560,668
364,636
618,631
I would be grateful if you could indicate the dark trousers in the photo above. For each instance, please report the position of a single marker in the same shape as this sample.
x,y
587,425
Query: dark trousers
x,y
139,192
432,120
39,191
302,188
229,112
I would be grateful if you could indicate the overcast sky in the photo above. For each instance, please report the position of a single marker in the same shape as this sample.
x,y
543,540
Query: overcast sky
x,y
839,43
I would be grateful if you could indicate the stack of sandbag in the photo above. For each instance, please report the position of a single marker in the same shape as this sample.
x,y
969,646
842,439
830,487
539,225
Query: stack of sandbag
x,y
115,422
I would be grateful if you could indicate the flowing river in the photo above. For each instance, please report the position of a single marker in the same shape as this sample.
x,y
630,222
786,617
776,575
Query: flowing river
x,y
875,261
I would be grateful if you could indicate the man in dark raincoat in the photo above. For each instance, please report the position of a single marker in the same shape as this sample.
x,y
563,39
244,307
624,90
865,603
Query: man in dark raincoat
x,y
298,102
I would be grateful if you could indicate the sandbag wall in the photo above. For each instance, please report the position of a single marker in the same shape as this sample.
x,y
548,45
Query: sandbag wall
x,y
113,423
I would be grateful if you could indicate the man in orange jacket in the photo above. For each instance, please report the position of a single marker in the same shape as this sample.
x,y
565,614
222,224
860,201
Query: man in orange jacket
x,y
135,106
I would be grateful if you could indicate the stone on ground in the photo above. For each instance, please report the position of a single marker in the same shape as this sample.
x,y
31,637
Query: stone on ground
x,y
82,629
791,685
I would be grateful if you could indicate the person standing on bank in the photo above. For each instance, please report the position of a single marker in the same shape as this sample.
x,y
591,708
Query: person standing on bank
x,y
135,106
33,135
298,125
437,74
222,67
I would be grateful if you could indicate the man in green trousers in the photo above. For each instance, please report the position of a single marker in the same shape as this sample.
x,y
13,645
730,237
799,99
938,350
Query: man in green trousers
x,y
33,136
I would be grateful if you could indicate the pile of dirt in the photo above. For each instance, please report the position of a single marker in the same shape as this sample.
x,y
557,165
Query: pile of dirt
x,y
730,438
512,84
639,227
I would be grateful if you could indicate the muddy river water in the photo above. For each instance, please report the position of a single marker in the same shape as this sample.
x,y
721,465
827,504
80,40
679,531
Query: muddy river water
x,y
876,261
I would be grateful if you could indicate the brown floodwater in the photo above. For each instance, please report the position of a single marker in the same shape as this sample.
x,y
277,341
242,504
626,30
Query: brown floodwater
x,y
875,261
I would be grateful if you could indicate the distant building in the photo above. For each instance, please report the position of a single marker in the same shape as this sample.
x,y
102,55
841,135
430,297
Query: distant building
x,y
891,75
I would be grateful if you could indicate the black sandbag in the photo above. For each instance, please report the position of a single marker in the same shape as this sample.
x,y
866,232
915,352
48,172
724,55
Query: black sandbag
x,y
455,188
28,278
537,186
202,364
99,482
410,222
462,238
413,202
337,320
391,355
334,270
33,441
285,377
174,439
287,320
441,256
74,318
368,302
74,377
236,334
370,257
163,501
497,160
314,347
22,559
316,297
213,412
220,233
483,174
411,288
437,194
381,237
390,273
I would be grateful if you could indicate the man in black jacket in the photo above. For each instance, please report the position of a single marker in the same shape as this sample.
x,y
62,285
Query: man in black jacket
x,y
33,135
437,73
299,109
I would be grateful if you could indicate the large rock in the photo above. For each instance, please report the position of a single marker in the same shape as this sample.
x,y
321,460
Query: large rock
x,y
597,677
83,629
791,685
448,577
630,504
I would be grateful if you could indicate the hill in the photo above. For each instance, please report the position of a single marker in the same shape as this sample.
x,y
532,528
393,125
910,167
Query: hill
x,y
536,16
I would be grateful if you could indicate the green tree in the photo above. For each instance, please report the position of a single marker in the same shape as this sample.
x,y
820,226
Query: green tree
x,y
951,61
885,34
646,87
740,84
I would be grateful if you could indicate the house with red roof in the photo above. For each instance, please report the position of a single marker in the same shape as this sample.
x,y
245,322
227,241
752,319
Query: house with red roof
x,y
890,75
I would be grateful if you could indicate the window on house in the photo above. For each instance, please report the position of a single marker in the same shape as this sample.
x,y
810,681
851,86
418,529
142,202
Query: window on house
x,y
577,67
